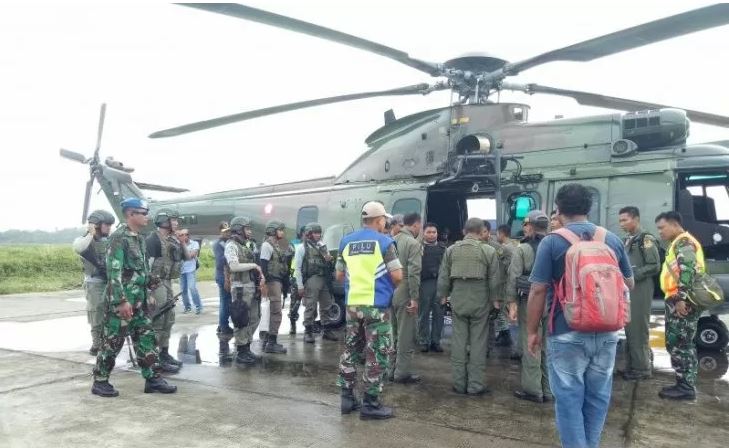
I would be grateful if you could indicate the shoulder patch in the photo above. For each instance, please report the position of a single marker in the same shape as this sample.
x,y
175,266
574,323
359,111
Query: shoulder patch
x,y
647,242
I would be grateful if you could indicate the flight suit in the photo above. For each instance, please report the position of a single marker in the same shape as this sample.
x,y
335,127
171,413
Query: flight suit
x,y
166,265
642,248
534,371
404,324
504,253
470,274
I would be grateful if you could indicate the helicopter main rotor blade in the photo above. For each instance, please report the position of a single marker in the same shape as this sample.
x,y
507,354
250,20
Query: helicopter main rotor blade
x,y
87,199
299,26
228,119
611,102
155,187
72,155
102,116
627,39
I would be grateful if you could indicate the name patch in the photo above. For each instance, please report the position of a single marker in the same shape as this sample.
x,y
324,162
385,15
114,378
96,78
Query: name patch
x,y
362,248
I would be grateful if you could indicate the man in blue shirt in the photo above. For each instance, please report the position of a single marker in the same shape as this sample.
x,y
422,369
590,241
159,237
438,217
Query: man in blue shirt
x,y
580,364
225,332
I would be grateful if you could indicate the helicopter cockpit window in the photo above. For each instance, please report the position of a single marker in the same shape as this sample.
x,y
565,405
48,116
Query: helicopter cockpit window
x,y
306,215
703,201
518,113
333,235
407,205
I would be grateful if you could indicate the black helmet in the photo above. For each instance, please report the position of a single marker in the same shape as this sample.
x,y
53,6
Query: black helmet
x,y
273,226
101,217
162,218
238,223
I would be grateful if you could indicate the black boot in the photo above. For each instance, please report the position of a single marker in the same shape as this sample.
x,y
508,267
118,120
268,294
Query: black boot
x,y
165,357
274,347
682,391
158,384
308,335
372,409
245,356
263,336
224,352
349,401
93,351
330,335
316,328
292,330
104,389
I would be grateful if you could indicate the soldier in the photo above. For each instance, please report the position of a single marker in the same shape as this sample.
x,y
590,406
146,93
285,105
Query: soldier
x,y
642,249
534,376
503,254
295,296
92,249
244,278
684,259
313,278
223,329
129,279
469,274
430,330
369,266
165,253
274,267
396,223
406,300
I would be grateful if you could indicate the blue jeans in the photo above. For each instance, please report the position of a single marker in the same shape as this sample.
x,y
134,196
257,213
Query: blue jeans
x,y
225,299
188,284
581,379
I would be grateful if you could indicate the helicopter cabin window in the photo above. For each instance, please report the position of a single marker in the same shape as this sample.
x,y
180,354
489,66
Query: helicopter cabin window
x,y
333,235
519,205
306,215
407,205
703,201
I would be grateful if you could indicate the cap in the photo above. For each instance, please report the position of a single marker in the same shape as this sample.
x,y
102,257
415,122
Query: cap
x,y
134,203
374,209
398,219
534,216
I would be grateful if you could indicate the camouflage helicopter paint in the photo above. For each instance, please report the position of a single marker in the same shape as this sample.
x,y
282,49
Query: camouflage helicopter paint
x,y
434,161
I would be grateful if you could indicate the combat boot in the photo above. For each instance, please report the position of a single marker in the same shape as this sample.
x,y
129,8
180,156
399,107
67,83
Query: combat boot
x,y
224,352
165,357
309,334
104,389
373,409
274,347
681,391
158,384
166,367
316,328
330,335
349,401
292,330
245,356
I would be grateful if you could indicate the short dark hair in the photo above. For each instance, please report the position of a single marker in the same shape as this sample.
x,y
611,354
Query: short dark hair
x,y
430,224
487,224
574,200
504,228
554,213
670,217
411,218
474,225
630,210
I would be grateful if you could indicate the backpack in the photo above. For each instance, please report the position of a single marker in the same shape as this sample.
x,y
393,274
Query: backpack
x,y
592,293
523,285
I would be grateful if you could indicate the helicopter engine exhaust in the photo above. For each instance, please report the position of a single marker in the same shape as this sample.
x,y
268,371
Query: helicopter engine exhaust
x,y
474,144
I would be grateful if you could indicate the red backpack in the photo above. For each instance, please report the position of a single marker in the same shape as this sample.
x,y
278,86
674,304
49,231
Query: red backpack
x,y
592,291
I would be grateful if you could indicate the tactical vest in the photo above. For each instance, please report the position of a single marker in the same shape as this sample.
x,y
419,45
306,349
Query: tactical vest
x,y
168,265
97,252
314,262
432,256
467,260
245,255
277,269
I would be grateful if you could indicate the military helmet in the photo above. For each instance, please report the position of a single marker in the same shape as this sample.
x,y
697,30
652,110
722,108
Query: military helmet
x,y
273,226
162,218
312,227
238,223
101,217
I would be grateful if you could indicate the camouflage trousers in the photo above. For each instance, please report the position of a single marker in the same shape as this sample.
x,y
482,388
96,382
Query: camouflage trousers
x,y
373,325
139,327
680,333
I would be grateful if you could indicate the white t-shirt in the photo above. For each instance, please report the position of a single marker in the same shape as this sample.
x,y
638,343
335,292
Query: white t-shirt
x,y
189,265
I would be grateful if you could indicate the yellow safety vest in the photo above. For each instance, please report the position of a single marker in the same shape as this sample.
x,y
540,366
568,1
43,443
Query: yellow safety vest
x,y
670,270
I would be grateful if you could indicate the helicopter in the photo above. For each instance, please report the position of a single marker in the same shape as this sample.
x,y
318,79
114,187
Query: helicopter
x,y
440,162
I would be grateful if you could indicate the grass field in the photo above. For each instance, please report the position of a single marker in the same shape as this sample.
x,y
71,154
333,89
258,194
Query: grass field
x,y
39,268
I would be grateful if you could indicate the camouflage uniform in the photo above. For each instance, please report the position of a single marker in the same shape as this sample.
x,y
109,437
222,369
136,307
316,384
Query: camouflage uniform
x,y
642,249
680,331
128,278
166,265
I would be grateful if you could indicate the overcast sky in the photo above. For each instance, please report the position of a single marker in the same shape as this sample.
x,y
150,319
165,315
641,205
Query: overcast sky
x,y
159,65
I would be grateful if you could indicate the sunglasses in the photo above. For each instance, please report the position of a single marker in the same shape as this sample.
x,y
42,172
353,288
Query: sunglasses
x,y
144,213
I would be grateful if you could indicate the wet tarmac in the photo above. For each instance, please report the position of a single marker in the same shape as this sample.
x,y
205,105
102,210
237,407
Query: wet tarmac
x,y
291,400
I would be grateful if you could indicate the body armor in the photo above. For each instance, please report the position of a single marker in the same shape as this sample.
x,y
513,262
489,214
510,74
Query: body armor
x,y
167,265
94,259
314,262
432,256
277,268
467,261
245,255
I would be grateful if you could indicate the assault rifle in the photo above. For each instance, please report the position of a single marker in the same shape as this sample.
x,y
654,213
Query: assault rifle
x,y
168,305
